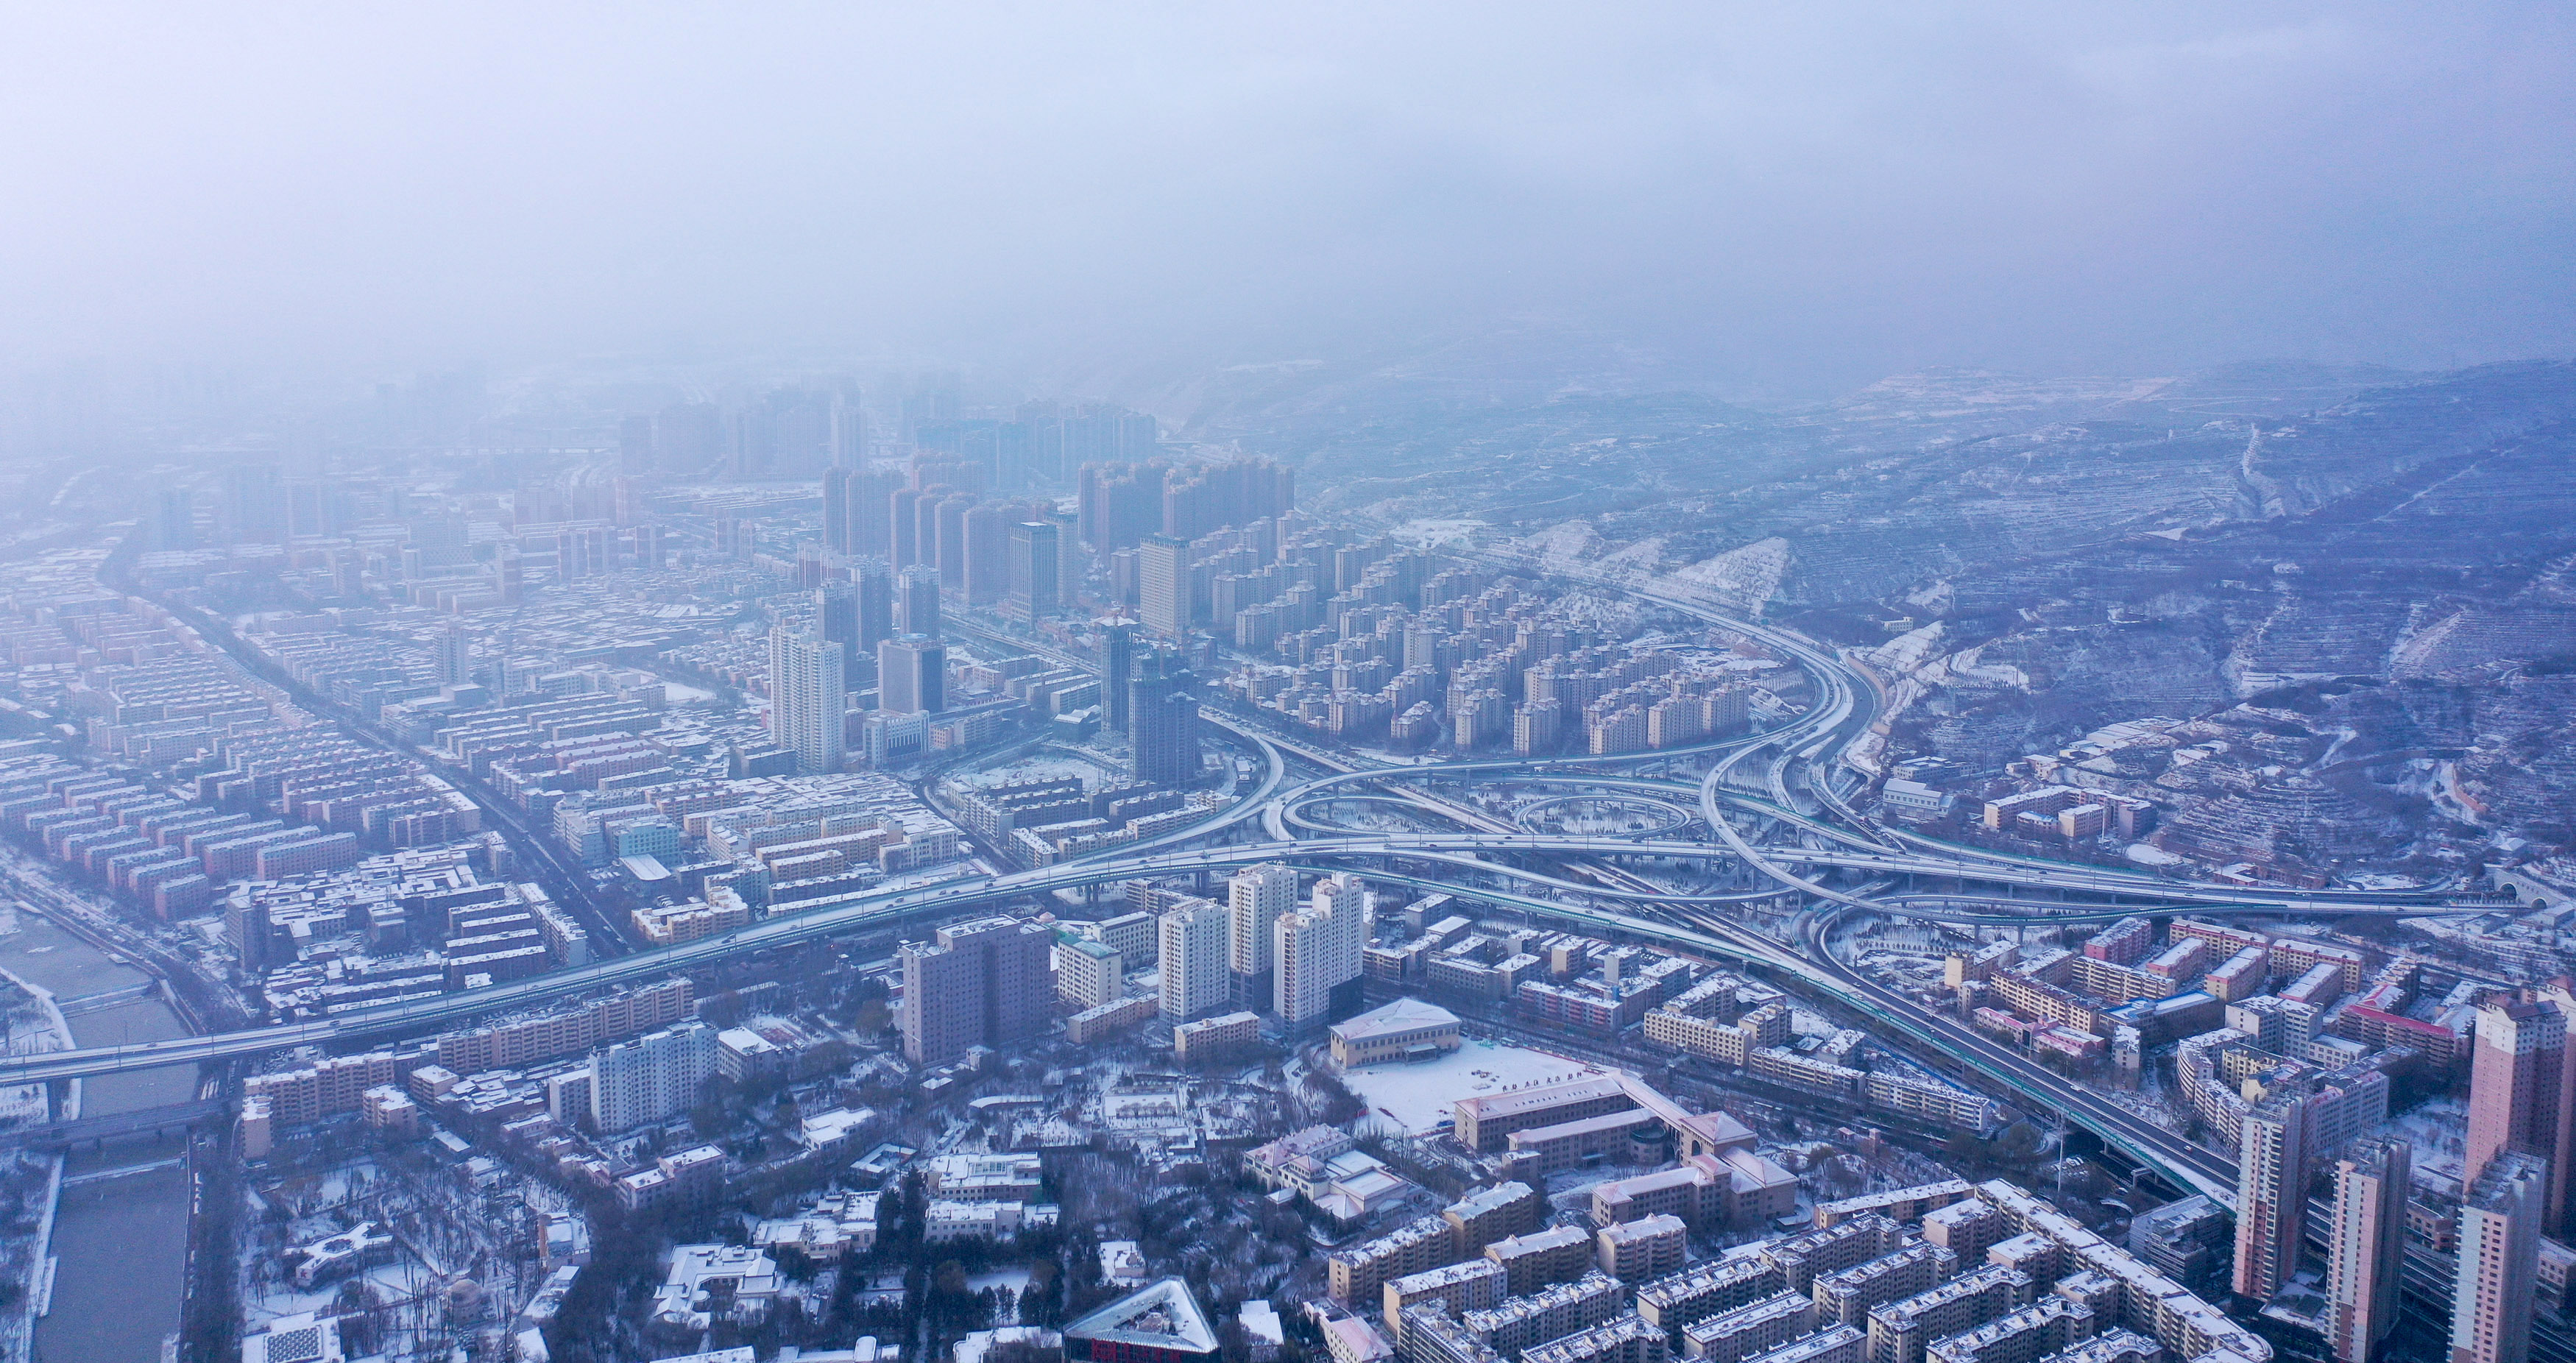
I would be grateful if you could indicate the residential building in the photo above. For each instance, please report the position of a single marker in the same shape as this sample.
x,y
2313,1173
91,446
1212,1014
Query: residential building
x,y
912,675
808,702
983,983
2272,1192
2367,1248
1190,957
1088,973
2497,1289
1163,722
1318,953
652,1078
1035,559
1163,588
2519,1092
1255,898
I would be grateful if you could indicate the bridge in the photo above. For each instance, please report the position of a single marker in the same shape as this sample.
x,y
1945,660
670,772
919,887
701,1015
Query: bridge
x,y
168,1119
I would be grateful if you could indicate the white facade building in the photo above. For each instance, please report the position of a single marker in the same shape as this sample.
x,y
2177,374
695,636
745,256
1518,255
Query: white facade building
x,y
651,1078
1088,973
1319,948
807,708
1192,956
1256,896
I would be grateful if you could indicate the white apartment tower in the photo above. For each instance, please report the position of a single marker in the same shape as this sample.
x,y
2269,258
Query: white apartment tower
x,y
1088,973
807,707
651,1078
1255,898
1163,586
1315,953
1191,953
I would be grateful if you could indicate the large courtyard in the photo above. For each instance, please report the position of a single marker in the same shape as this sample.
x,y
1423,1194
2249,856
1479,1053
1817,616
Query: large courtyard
x,y
1421,1095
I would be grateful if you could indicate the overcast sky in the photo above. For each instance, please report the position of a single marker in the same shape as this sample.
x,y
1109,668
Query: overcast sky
x,y
1807,193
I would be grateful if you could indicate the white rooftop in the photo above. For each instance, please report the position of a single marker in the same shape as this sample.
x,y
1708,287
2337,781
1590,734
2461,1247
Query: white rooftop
x,y
1403,1015
1162,1316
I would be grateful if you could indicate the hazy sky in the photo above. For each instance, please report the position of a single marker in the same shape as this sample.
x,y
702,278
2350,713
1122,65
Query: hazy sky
x,y
1805,192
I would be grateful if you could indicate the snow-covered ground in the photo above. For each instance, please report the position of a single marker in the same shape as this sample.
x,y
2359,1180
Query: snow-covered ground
x,y
1421,1096
1044,766
2438,1128
1016,1279
1427,533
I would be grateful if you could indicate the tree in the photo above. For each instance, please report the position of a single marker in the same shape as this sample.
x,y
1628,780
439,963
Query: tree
x,y
2020,1143
1042,1302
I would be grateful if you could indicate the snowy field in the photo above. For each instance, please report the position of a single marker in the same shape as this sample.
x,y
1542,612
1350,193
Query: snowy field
x,y
1420,1096
2438,1128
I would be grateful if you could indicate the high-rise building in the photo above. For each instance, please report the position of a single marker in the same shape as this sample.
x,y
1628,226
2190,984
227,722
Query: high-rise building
x,y
916,595
1034,561
950,536
1316,954
2368,1247
984,983
1255,898
872,593
509,575
1089,972
988,553
254,505
2271,1192
2516,1078
1191,941
1117,668
2558,1208
925,526
836,509
1119,504
2494,1296
836,617
174,519
870,511
808,700
912,675
316,506
848,424
651,1078
1163,723
1163,586
1213,496
903,534
449,649
581,551
689,437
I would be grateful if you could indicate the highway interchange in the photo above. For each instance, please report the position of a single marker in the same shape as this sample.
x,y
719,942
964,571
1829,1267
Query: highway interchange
x,y
1764,829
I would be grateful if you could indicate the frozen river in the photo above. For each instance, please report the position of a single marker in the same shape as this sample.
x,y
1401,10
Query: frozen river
x,y
120,1240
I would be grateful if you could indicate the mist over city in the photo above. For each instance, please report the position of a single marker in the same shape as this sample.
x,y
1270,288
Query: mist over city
x,y
1320,684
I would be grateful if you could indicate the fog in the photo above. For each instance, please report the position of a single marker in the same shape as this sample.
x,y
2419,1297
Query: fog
x,y
1796,197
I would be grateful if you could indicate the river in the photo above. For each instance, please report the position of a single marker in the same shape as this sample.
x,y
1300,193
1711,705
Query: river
x,y
120,1239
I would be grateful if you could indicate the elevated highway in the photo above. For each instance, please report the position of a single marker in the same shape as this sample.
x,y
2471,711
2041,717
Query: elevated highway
x,y
1483,848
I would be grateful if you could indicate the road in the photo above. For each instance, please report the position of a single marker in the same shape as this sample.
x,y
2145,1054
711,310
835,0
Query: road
x,y
1802,827
562,877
